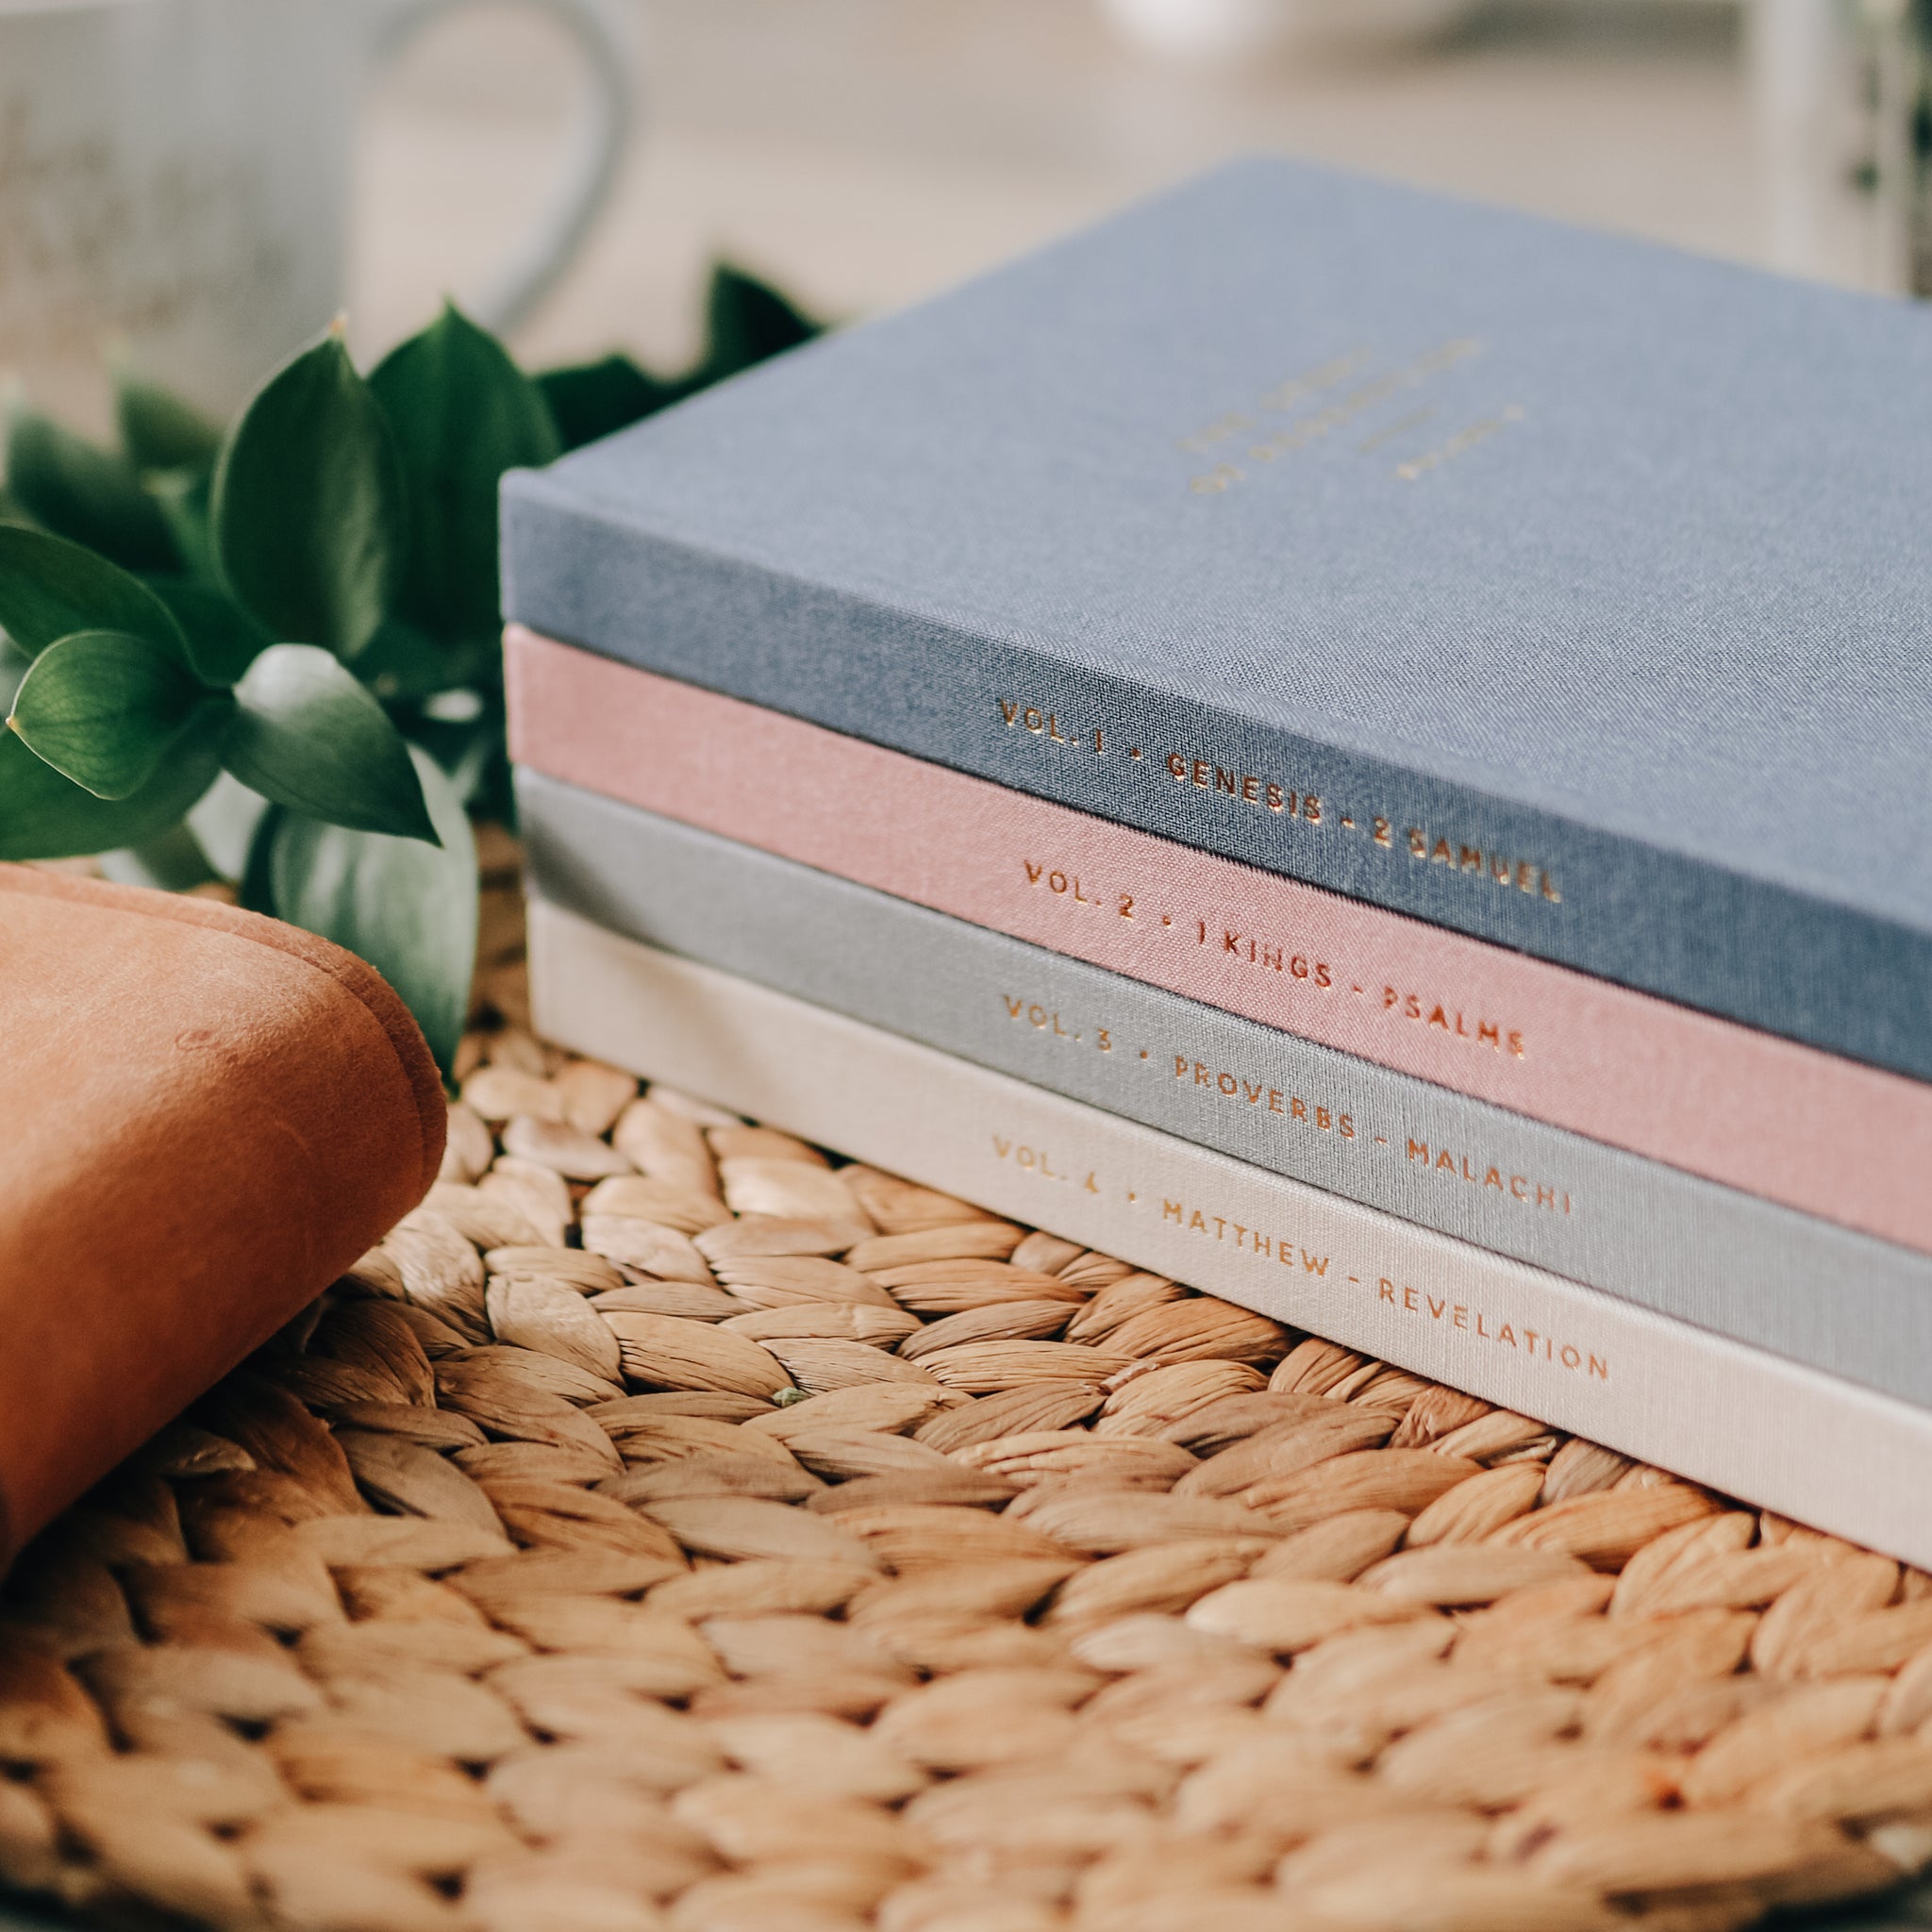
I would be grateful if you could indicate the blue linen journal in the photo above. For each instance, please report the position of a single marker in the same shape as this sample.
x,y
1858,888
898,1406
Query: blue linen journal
x,y
1800,1287
1566,591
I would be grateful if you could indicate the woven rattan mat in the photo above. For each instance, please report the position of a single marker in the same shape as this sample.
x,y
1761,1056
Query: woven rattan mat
x,y
667,1527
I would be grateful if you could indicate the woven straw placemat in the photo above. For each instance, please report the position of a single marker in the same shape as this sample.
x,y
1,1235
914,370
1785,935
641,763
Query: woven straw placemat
x,y
667,1527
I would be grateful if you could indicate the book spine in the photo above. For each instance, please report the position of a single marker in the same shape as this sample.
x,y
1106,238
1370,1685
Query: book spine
x,y
1534,877
1824,1136
1800,1287
1782,1437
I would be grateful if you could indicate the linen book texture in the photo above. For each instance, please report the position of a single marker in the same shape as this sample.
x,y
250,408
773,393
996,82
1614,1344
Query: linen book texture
x,y
1743,1421
1743,1267
1561,590
1816,1132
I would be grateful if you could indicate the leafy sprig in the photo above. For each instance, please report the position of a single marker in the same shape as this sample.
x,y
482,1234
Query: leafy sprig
x,y
272,655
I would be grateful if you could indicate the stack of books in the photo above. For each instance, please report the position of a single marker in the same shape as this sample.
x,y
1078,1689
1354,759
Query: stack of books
x,y
1370,754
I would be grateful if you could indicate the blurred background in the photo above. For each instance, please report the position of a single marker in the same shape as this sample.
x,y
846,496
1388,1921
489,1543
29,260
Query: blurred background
x,y
205,182
865,153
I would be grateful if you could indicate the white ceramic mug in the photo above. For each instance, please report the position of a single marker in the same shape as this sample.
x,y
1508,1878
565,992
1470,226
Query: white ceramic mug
x,y
175,178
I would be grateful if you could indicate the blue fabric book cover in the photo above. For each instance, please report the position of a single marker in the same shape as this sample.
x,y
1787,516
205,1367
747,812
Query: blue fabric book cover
x,y
1566,591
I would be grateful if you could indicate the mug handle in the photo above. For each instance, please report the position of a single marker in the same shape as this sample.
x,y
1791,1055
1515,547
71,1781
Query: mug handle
x,y
602,135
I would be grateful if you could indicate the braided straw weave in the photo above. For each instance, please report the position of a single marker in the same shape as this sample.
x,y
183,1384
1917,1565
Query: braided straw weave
x,y
666,1529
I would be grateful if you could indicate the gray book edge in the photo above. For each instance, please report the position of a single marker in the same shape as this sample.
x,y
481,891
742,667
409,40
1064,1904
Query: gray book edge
x,y
1724,1261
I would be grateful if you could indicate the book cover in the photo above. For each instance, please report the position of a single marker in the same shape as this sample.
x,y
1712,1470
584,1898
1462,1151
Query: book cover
x,y
1780,1436
1554,588
1826,1135
1801,1287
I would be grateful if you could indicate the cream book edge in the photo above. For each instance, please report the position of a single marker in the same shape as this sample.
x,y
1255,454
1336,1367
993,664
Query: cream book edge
x,y
1771,1432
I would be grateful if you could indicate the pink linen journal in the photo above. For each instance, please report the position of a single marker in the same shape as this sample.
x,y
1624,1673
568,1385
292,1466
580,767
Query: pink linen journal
x,y
1827,1136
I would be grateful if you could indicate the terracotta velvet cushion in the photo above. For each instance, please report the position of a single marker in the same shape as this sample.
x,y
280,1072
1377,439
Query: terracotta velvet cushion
x,y
205,1117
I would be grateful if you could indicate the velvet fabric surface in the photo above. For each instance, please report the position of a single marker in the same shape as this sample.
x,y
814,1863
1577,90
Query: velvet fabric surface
x,y
209,1115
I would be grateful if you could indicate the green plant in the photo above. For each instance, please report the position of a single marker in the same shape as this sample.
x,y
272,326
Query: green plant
x,y
273,656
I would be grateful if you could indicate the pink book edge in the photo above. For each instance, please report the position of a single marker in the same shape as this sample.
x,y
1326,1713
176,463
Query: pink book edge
x,y
1831,1136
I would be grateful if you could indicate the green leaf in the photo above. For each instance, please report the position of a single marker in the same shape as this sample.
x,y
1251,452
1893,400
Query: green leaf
x,y
158,431
79,491
593,399
401,664
102,708
408,907
308,736
172,861
224,820
309,504
745,322
13,667
49,589
463,732
462,413
222,640
43,815
184,498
